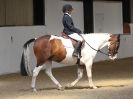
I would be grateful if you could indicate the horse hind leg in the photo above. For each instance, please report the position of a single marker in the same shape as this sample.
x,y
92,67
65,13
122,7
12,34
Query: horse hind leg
x,y
35,74
48,71
80,75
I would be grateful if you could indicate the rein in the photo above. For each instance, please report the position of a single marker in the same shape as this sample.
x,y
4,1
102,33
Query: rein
x,y
97,50
94,48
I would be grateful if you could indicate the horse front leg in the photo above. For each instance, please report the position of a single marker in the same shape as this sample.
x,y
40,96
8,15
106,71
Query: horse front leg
x,y
89,73
49,73
80,75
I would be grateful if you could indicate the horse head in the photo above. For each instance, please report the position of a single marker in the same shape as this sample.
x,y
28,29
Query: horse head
x,y
113,46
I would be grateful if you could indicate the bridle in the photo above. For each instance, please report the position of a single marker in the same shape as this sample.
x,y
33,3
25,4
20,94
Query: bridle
x,y
115,51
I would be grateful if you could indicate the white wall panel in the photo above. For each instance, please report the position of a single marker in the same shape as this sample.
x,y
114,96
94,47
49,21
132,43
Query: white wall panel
x,y
108,17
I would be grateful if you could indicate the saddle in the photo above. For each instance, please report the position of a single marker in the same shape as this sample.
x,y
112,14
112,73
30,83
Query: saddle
x,y
67,37
72,40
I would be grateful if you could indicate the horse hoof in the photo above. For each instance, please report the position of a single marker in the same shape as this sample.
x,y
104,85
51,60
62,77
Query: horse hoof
x,y
93,87
69,85
34,90
61,88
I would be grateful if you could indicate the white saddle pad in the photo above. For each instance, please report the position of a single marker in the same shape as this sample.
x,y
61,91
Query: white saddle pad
x,y
66,42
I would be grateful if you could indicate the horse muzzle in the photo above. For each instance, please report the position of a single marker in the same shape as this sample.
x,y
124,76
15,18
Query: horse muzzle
x,y
113,57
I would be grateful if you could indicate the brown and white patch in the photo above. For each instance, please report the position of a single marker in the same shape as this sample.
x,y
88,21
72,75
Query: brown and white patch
x,y
65,49
58,52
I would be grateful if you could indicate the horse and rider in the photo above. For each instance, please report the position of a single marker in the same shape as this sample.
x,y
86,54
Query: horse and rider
x,y
50,48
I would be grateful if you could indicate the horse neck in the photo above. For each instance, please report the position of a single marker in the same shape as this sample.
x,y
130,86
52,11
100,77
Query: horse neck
x,y
97,40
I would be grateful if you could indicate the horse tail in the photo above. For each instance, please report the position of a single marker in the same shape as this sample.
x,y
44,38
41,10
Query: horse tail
x,y
25,66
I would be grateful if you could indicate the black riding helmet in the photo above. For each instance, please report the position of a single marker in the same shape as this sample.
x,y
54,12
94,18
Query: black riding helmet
x,y
67,7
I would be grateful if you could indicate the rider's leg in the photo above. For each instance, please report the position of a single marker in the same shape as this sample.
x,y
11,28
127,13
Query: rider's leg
x,y
77,49
78,45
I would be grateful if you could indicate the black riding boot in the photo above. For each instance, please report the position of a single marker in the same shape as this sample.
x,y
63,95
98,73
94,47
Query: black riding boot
x,y
77,49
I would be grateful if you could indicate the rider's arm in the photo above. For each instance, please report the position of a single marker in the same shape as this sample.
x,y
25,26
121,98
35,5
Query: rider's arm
x,y
70,25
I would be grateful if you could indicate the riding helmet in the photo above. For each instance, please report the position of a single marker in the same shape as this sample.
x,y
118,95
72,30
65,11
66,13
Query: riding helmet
x,y
67,7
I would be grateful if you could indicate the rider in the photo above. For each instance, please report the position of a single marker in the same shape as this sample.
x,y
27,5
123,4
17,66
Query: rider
x,y
70,29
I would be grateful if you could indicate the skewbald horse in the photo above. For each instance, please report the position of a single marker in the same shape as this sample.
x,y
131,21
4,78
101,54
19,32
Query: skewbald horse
x,y
50,48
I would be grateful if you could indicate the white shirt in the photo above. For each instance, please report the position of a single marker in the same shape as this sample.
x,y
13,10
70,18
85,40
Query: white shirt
x,y
68,14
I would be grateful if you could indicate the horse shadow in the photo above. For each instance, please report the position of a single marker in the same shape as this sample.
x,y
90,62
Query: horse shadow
x,y
88,87
75,88
81,87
